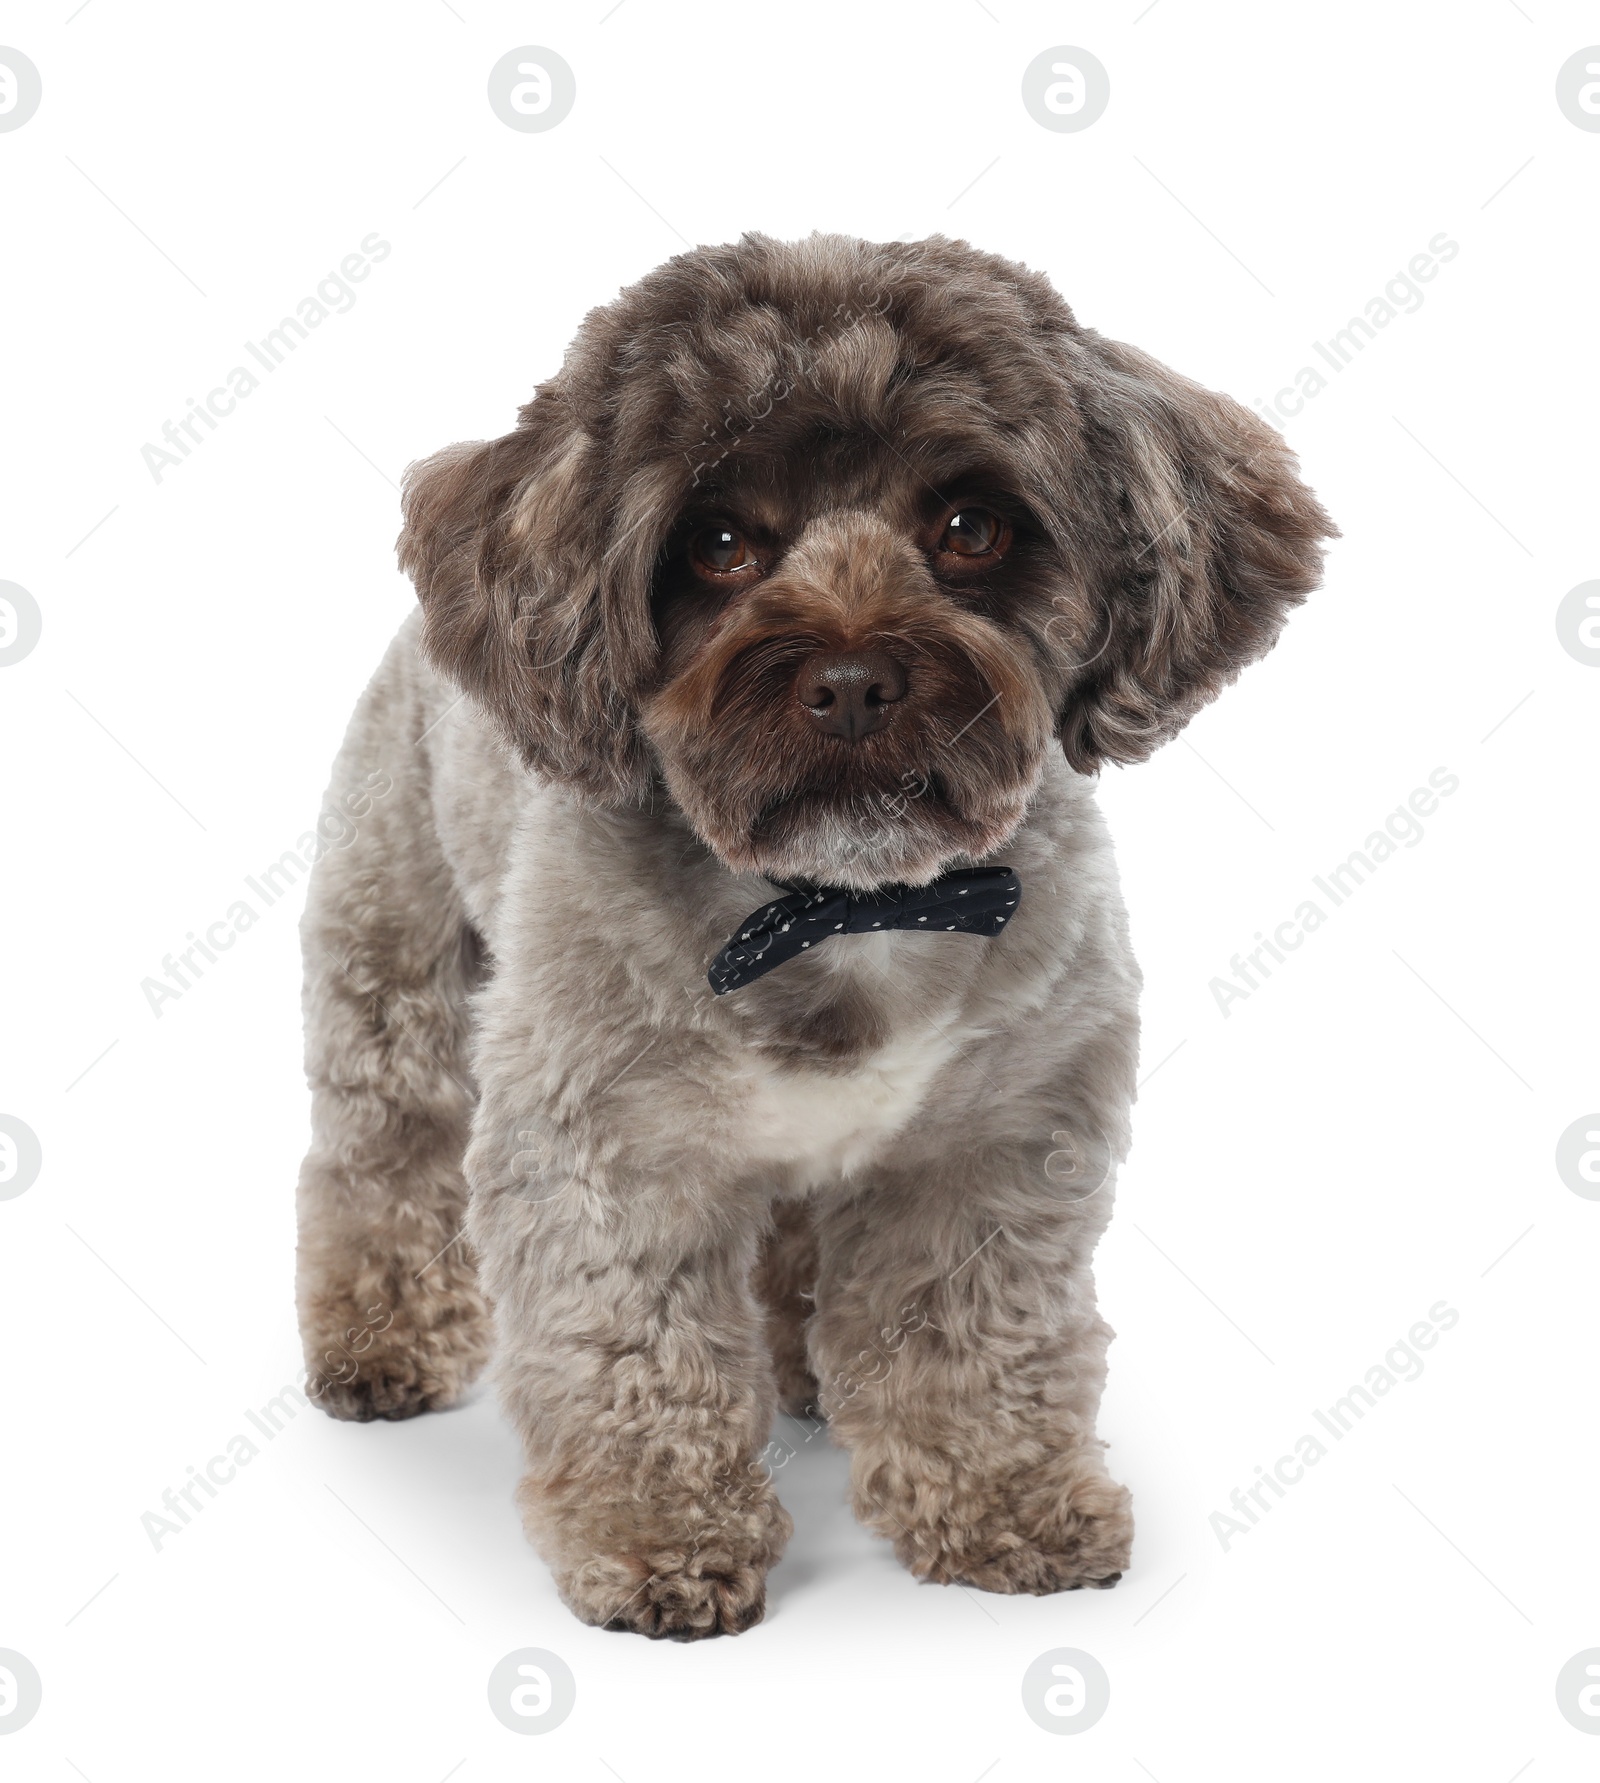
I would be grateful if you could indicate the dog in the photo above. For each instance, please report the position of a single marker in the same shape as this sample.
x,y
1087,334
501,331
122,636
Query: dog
x,y
724,998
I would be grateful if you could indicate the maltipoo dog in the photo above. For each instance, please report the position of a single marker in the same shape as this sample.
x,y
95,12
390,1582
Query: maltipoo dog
x,y
723,998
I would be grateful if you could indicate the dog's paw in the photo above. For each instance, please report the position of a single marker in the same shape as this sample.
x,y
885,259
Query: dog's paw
x,y
679,1599
395,1358
1035,1537
684,1590
382,1394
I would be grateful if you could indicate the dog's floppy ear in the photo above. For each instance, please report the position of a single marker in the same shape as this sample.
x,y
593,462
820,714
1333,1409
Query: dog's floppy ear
x,y
1207,539
505,542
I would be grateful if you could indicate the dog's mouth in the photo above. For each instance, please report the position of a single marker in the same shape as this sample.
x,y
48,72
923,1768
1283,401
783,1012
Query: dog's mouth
x,y
891,801
903,833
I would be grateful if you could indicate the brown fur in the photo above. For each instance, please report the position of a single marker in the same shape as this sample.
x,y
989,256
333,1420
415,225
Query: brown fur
x,y
1175,531
785,1283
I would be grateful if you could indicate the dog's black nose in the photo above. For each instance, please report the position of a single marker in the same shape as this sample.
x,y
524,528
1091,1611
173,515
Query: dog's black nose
x,y
850,691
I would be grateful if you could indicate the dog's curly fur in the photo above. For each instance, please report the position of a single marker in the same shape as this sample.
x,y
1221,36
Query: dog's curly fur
x,y
844,1184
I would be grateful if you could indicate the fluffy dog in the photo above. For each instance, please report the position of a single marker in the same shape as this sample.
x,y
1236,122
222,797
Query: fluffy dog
x,y
818,583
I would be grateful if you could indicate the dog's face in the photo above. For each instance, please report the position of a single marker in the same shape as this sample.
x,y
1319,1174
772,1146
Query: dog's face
x,y
847,689
832,541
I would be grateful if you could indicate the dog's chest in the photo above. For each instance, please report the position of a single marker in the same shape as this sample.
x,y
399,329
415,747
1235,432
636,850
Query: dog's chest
x,y
830,1124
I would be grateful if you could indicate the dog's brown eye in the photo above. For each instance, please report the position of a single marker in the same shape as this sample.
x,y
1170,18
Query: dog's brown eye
x,y
720,551
975,532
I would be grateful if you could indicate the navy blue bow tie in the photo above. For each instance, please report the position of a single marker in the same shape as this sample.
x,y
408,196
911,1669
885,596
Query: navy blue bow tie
x,y
970,901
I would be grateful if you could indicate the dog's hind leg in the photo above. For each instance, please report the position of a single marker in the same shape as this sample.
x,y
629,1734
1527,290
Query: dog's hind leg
x,y
391,1315
785,1284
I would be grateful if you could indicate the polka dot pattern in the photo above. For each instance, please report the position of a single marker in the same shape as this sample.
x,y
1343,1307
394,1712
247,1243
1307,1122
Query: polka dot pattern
x,y
970,901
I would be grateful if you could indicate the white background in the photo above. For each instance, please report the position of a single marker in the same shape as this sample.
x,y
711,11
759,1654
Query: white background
x,y
1370,1132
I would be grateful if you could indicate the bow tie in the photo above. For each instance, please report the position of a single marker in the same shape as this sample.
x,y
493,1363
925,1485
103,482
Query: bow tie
x,y
970,901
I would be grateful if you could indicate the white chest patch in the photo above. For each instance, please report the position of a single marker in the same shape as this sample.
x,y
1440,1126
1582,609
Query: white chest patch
x,y
828,1125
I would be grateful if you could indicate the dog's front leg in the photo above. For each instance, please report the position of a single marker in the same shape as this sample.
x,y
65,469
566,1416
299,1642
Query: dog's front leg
x,y
630,1358
961,1358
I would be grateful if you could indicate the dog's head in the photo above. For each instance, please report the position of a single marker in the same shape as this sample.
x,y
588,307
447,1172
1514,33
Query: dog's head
x,y
831,538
